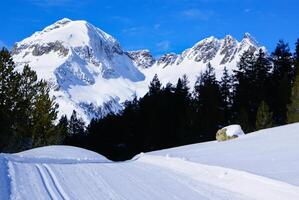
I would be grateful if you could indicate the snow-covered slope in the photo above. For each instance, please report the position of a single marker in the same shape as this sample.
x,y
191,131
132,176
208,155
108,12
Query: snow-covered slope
x,y
85,66
271,152
88,71
219,52
262,165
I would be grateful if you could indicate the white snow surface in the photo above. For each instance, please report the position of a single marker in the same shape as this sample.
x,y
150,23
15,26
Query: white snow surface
x,y
62,153
272,153
234,130
261,165
89,71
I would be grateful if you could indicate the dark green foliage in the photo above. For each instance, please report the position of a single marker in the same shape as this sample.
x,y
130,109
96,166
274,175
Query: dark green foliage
x,y
208,102
252,84
226,86
281,82
76,125
293,108
76,134
264,118
8,95
155,86
62,129
27,112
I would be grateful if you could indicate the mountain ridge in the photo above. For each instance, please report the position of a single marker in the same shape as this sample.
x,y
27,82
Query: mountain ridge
x,y
89,72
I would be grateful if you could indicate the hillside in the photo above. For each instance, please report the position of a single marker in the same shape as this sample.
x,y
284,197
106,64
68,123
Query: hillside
x,y
261,165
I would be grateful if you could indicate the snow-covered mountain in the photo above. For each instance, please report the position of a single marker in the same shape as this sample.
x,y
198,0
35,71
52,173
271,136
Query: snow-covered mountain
x,y
88,71
86,67
261,165
219,52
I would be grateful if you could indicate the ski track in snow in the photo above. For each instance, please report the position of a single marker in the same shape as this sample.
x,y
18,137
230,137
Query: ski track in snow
x,y
147,177
56,183
50,188
252,186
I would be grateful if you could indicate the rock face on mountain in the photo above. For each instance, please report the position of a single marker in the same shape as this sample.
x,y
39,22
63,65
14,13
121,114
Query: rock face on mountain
x,y
88,71
220,53
142,58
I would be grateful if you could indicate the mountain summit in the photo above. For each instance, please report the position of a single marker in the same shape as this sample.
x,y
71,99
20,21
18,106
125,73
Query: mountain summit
x,y
89,72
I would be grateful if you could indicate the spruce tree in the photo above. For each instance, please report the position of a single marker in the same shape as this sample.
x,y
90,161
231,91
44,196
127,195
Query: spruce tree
x,y
44,116
26,110
251,84
293,107
62,129
182,102
282,80
76,125
8,93
155,86
226,85
263,117
244,93
208,104
243,120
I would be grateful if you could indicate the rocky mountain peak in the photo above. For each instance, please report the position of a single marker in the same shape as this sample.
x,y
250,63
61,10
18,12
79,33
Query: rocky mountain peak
x,y
58,24
167,59
142,58
89,72
248,38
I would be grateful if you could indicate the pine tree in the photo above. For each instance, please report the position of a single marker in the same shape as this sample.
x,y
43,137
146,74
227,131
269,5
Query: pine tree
x,y
44,116
62,129
262,67
226,85
26,110
155,86
182,86
282,80
243,120
208,104
8,94
251,84
244,94
293,107
283,61
76,125
183,111
263,117
27,98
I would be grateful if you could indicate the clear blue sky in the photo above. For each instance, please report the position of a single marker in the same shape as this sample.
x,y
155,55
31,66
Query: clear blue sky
x,y
159,25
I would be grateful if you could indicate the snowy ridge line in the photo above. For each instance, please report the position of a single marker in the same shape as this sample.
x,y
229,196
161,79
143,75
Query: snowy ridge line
x,y
229,179
24,159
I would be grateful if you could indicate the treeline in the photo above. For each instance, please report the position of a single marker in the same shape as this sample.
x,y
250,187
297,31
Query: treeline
x,y
257,95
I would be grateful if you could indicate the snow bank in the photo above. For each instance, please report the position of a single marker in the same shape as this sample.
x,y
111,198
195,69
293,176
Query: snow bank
x,y
62,153
272,153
